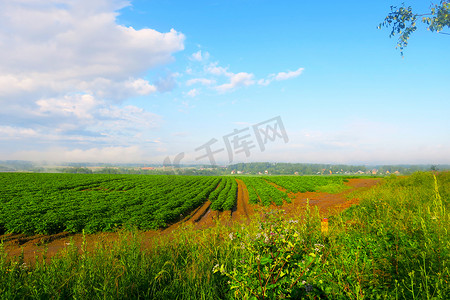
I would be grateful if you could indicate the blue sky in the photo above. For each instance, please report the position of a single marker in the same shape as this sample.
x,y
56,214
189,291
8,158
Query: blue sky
x,y
139,81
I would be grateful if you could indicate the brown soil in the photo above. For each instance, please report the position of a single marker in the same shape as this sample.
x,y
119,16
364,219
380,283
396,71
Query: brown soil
x,y
202,217
328,204
244,209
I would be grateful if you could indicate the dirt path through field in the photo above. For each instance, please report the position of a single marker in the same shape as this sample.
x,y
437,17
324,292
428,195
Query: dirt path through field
x,y
200,218
244,209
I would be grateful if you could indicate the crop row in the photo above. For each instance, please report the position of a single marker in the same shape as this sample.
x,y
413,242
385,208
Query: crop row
x,y
260,191
302,184
224,197
50,203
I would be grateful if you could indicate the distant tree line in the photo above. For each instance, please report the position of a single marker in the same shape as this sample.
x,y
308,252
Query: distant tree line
x,y
326,169
240,168
138,171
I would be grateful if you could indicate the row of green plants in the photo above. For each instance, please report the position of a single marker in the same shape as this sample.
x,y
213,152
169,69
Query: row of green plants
x,y
394,245
260,191
230,200
302,184
225,196
266,190
51,203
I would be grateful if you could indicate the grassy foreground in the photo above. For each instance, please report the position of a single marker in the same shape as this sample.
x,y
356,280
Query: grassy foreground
x,y
394,245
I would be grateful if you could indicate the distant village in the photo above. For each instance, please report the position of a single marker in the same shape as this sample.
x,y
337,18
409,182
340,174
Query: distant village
x,y
328,172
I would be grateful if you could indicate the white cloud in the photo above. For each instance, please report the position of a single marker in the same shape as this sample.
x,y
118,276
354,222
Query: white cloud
x,y
203,81
141,86
119,120
264,82
288,75
10,133
281,76
79,118
58,47
193,93
216,70
66,67
78,106
237,80
199,56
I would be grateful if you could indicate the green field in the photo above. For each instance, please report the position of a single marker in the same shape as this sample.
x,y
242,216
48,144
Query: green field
x,y
52,203
394,245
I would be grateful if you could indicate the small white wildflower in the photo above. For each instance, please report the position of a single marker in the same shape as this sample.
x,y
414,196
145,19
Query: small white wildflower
x,y
318,247
215,268
231,236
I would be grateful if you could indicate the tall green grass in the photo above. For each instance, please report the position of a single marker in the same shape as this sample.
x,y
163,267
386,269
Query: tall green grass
x,y
393,245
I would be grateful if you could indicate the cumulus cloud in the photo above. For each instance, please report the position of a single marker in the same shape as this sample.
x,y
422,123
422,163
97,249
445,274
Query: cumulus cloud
x,y
193,93
67,65
288,75
57,46
264,82
281,76
217,70
141,86
12,133
237,80
78,106
199,56
80,118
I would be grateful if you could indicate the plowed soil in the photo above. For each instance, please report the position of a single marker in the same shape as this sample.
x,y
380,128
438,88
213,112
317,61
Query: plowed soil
x,y
202,217
327,204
